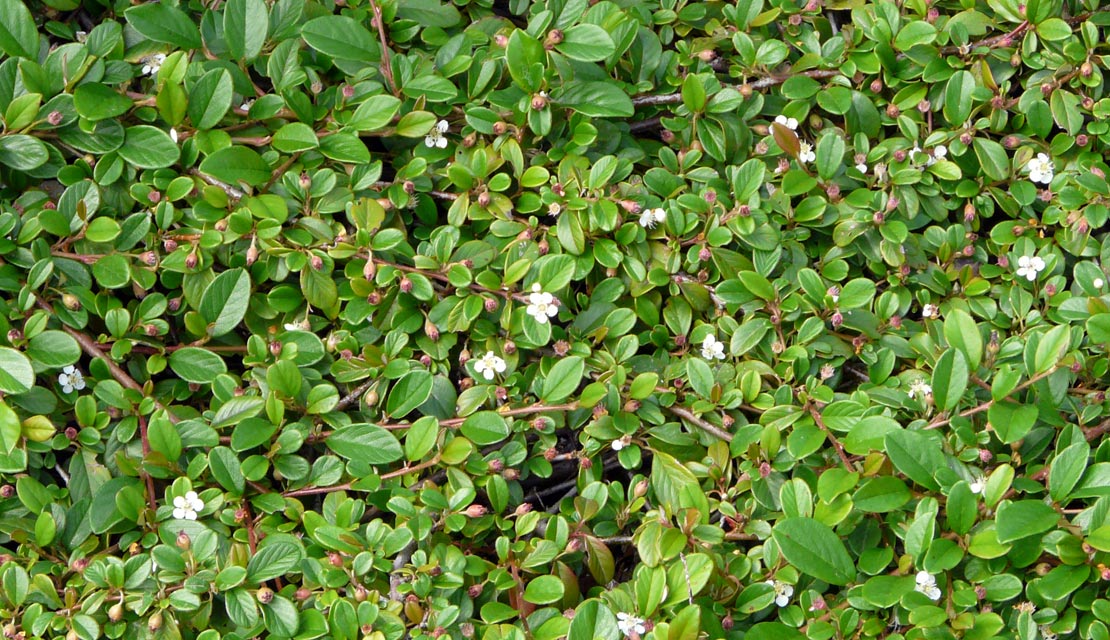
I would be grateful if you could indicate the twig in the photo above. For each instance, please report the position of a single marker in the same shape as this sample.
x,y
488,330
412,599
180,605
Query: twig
x,y
232,192
145,438
1098,431
688,416
346,486
387,67
940,422
762,83
280,171
832,439
539,407
442,195
92,350
354,395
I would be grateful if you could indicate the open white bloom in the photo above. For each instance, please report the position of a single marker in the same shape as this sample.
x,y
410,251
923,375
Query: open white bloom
x,y
541,305
153,64
435,138
805,152
1098,282
186,507
246,106
173,135
712,349
1029,267
862,167
554,209
71,379
651,217
490,365
621,442
1041,169
630,625
789,123
939,153
929,311
927,584
978,484
783,592
919,388
81,36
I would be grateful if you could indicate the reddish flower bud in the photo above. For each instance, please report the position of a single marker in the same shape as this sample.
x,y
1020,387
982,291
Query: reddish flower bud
x,y
474,591
892,111
900,155
406,285
302,594
183,540
54,117
539,101
876,85
7,491
795,20
191,261
426,360
764,469
475,511
1082,140
704,254
837,319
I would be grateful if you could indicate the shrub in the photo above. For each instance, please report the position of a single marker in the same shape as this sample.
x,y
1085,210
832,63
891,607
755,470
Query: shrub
x,y
407,319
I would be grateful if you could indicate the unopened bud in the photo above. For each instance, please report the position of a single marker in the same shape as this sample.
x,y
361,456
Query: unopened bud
x,y
833,191
501,41
900,155
932,15
302,594
965,138
542,247
539,102
509,347
275,348
191,261
876,85
764,469
221,225
7,491
1046,89
70,301
154,623
837,319
924,106
795,20
892,111
169,245
14,335
149,258
475,511
727,623
54,117
707,55
1050,289
406,285
704,254
877,218
431,330
115,612
1082,140
426,360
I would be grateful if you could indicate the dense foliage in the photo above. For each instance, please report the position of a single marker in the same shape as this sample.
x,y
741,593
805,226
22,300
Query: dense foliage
x,y
613,319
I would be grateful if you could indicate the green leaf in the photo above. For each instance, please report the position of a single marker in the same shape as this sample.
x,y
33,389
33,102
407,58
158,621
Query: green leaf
x,y
1067,468
225,468
210,98
194,364
95,101
23,153
597,99
429,13
693,91
281,617
10,428
237,409
957,98
544,590
563,379
224,302
295,137
916,32
237,165
54,349
112,271
962,334
1051,348
593,621
915,455
146,147
365,443
774,631
700,375
342,38
676,486
830,155
590,43
1012,421
432,88
950,378
273,561
992,158
408,393
18,36
245,26
374,113
1024,518
162,22
881,494
485,428
814,549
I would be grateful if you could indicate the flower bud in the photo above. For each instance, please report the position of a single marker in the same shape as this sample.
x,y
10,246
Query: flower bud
x,y
500,41
500,128
302,594
154,623
892,111
115,612
877,218
475,511
965,138
221,225
431,330
900,155
70,301
149,258
764,469
837,319
374,298
896,322
406,285
191,261
490,304
1046,89
1082,140
14,335
169,245
554,37
561,348
252,254
265,595
1050,289
7,491
876,85
54,117
795,20
509,347
539,101
727,623
744,211
680,341
833,192
704,255
924,106
932,15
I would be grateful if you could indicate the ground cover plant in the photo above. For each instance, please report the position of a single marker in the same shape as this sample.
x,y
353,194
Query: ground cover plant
x,y
615,319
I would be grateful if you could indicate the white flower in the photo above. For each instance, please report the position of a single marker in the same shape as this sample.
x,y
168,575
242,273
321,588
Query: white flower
x,y
1098,282
541,306
302,325
939,153
789,123
173,135
554,209
1029,267
435,138
920,388
1046,633
929,311
490,365
805,152
783,591
927,584
71,379
153,64
977,485
1041,169
621,442
1026,607
246,106
650,217
186,507
712,349
81,35
862,167
630,625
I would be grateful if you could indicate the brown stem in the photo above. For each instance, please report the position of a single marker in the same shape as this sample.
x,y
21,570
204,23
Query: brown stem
x,y
688,416
1098,431
354,395
442,277
170,348
145,437
93,351
280,171
455,422
940,422
442,195
403,471
387,67
762,83
848,465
